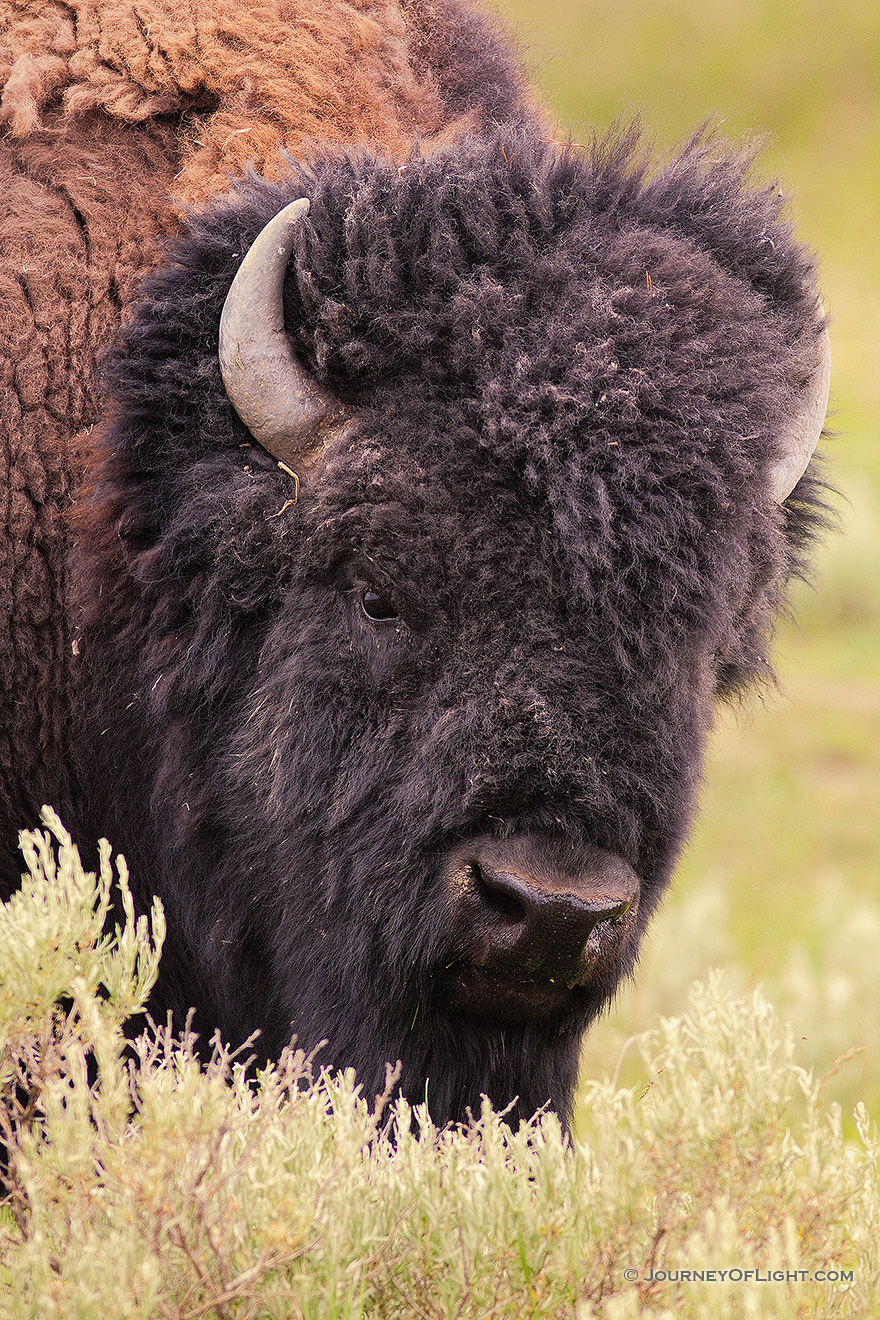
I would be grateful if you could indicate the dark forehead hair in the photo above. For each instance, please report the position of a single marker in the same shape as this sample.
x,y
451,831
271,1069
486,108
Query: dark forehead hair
x,y
617,341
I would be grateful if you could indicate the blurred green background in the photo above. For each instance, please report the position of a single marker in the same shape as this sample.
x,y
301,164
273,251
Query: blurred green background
x,y
781,884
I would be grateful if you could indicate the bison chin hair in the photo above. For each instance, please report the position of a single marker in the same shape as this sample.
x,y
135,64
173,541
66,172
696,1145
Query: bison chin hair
x,y
450,1061
520,1068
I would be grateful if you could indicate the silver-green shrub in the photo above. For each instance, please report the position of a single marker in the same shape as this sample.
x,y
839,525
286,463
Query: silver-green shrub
x,y
141,1184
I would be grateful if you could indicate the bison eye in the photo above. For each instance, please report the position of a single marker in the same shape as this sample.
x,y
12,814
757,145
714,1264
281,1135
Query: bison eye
x,y
377,608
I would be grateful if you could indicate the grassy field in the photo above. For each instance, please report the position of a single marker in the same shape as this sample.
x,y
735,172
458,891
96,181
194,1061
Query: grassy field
x,y
780,884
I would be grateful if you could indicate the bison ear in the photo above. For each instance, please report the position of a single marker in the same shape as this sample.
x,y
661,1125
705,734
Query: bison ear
x,y
799,437
280,403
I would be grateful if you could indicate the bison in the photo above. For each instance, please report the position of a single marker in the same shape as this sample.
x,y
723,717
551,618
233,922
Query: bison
x,y
437,492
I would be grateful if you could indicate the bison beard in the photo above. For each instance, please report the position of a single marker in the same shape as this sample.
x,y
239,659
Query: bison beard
x,y
409,747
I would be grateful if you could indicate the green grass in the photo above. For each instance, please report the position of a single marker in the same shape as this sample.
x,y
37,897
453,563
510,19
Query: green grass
x,y
781,882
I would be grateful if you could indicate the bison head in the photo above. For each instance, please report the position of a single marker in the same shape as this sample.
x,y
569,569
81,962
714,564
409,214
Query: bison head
x,y
407,731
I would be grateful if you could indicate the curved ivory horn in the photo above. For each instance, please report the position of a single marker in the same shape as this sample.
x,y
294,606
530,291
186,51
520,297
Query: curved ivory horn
x,y
801,433
277,399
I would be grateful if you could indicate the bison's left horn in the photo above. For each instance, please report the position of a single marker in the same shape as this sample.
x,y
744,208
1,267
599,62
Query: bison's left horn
x,y
279,402
801,434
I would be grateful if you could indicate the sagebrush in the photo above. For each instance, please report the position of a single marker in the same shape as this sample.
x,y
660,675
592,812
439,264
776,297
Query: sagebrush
x,y
141,1183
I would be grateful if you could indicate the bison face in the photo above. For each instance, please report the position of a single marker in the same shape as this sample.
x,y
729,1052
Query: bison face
x,y
461,847
407,736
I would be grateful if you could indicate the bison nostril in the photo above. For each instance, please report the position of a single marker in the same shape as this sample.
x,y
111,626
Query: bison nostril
x,y
497,896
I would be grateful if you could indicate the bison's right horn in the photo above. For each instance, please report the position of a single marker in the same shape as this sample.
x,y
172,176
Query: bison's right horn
x,y
801,435
279,402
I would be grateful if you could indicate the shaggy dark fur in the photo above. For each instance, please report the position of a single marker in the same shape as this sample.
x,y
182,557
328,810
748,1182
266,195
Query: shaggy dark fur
x,y
566,376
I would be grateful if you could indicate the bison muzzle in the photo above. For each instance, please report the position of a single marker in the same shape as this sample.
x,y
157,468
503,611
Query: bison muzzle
x,y
535,920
